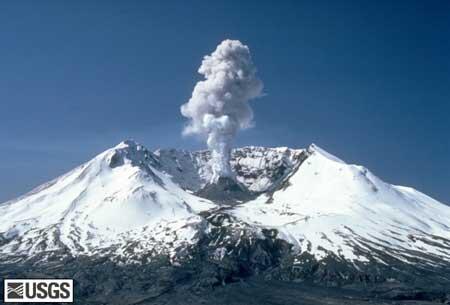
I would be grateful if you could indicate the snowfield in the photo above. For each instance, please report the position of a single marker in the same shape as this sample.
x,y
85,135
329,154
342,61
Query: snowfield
x,y
118,193
330,206
128,202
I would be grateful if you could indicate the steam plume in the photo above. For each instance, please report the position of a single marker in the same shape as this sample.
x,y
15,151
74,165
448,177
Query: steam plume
x,y
219,105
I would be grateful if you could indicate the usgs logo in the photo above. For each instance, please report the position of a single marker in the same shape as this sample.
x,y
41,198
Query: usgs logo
x,y
38,291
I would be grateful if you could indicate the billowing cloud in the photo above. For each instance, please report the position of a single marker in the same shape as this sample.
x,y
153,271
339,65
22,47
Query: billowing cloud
x,y
219,106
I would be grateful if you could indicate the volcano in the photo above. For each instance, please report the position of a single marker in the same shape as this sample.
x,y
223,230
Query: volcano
x,y
290,216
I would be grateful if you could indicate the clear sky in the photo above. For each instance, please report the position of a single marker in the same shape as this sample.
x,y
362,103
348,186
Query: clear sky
x,y
369,81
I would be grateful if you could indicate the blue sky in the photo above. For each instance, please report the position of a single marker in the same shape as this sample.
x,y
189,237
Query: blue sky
x,y
368,81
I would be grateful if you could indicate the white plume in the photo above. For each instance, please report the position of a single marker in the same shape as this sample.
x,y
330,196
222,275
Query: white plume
x,y
219,105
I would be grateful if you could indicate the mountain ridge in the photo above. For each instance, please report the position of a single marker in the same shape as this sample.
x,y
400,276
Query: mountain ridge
x,y
130,174
310,217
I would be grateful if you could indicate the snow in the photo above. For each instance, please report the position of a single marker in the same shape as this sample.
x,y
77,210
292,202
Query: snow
x,y
138,201
325,196
258,168
93,204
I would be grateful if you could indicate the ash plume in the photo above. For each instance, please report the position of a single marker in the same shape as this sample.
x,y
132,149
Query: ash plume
x,y
219,106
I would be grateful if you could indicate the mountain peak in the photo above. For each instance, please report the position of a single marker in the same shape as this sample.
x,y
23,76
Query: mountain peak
x,y
127,143
313,148
129,151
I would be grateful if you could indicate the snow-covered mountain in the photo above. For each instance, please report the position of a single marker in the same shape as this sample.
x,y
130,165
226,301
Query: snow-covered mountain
x,y
116,198
328,206
130,204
